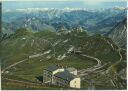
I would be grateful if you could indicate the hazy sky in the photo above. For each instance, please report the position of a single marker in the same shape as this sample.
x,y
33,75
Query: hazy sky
x,y
63,3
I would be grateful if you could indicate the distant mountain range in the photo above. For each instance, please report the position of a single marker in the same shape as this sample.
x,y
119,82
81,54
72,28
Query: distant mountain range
x,y
60,4
92,41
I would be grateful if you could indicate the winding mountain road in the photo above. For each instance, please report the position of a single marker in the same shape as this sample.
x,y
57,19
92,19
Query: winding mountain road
x,y
13,65
22,81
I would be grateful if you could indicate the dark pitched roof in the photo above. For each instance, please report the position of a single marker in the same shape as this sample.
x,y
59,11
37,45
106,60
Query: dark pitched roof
x,y
65,75
52,68
70,69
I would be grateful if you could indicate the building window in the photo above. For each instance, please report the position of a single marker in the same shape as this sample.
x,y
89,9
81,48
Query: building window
x,y
75,86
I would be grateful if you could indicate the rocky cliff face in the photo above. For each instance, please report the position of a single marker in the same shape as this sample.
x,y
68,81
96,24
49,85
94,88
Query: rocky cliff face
x,y
119,33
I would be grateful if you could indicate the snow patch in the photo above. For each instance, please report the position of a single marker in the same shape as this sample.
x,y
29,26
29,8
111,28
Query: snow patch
x,y
32,43
23,45
70,49
61,57
47,52
41,54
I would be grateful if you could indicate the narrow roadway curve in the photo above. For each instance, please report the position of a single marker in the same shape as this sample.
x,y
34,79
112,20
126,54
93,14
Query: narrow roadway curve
x,y
21,81
119,51
83,71
109,43
12,65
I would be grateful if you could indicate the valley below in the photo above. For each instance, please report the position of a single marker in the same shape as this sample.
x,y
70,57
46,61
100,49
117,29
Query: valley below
x,y
25,56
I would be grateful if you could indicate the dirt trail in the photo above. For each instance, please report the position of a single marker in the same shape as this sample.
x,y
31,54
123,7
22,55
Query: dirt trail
x,y
84,72
98,60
